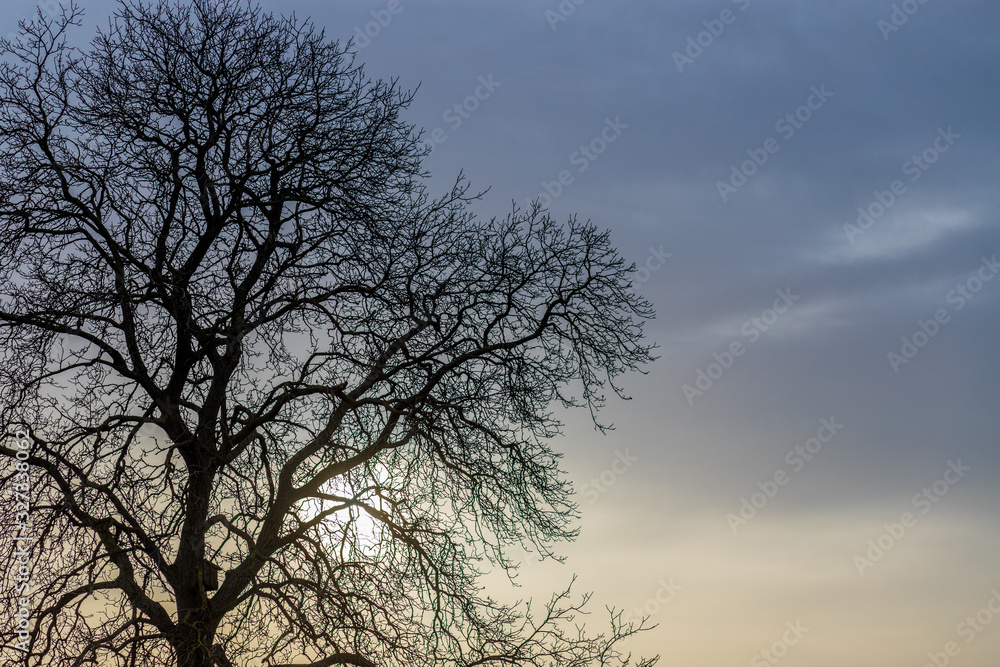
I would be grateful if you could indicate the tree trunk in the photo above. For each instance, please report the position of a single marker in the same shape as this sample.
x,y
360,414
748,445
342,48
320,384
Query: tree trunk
x,y
193,645
192,653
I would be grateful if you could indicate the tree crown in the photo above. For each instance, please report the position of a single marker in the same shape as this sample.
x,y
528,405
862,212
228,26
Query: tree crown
x,y
241,334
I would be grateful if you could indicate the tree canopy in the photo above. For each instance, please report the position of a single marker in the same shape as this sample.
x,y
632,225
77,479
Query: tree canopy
x,y
243,341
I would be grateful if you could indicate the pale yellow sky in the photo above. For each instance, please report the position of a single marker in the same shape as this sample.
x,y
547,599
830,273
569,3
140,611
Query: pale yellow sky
x,y
734,595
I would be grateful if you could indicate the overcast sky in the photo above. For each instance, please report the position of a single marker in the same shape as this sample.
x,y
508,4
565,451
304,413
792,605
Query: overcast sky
x,y
729,146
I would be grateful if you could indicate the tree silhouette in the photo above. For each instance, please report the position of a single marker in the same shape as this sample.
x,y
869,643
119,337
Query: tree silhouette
x,y
281,405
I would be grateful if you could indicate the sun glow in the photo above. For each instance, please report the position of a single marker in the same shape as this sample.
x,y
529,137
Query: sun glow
x,y
351,516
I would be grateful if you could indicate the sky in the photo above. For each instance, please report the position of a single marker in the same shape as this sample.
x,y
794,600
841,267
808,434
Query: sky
x,y
808,474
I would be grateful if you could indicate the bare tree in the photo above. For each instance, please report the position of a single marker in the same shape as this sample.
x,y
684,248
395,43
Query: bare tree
x,y
282,407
